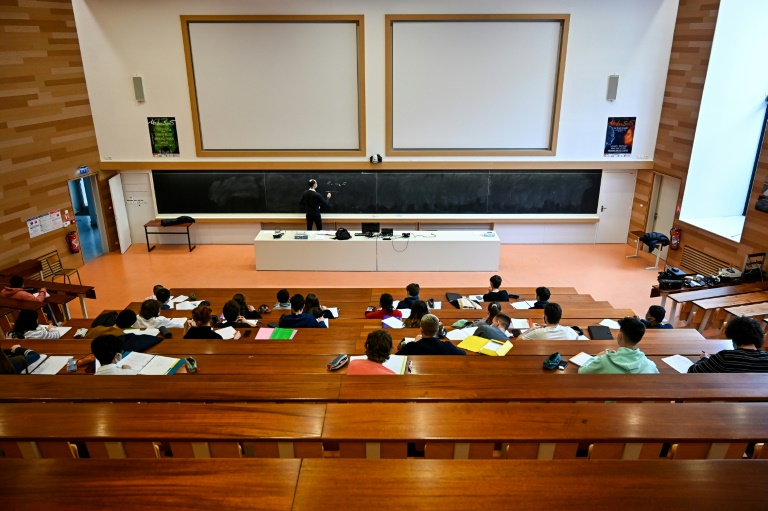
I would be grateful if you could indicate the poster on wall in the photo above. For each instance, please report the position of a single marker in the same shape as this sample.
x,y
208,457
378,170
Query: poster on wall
x,y
619,136
163,136
43,224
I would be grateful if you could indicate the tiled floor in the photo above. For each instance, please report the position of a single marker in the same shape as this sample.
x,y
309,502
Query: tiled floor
x,y
600,270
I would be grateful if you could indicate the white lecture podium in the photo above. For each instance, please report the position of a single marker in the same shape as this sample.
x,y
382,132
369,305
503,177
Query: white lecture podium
x,y
422,251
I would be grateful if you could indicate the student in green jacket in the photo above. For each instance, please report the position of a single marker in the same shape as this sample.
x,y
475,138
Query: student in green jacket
x,y
627,359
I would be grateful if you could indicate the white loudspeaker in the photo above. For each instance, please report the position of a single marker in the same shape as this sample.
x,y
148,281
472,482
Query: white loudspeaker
x,y
613,87
138,88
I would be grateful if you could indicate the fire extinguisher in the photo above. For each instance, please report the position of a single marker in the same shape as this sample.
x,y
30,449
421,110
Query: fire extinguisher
x,y
674,238
74,244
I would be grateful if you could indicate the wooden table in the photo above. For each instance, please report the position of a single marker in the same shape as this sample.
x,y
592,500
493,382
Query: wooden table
x,y
33,305
149,485
24,268
199,387
544,387
482,485
710,304
158,223
711,292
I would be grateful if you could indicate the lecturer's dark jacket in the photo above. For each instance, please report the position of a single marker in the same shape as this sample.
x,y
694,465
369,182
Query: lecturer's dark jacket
x,y
311,201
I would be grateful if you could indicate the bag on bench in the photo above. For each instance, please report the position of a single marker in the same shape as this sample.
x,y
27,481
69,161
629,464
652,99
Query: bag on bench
x,y
176,221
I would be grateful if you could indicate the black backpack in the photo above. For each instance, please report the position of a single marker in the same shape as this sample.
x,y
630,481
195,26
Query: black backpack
x,y
342,234
105,319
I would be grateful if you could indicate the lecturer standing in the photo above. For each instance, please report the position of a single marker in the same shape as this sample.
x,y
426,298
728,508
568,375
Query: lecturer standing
x,y
311,201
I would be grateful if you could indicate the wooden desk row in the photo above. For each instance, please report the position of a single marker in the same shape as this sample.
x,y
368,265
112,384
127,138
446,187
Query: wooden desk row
x,y
542,431
335,387
58,292
313,484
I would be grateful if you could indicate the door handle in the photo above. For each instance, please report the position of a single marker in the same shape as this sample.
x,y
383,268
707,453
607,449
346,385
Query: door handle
x,y
602,208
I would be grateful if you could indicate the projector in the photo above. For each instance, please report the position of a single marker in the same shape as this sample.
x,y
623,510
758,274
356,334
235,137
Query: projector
x,y
301,236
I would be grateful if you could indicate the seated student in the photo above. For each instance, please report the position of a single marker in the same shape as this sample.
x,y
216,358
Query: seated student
x,y
297,318
131,342
27,327
232,317
246,311
496,329
155,289
745,357
386,308
413,291
312,306
17,359
552,331
542,298
201,319
378,345
283,301
493,309
149,316
495,294
427,343
108,350
654,318
15,290
625,360
164,296
418,310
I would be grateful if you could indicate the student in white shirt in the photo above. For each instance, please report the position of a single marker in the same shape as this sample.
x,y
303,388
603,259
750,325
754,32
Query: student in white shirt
x,y
149,316
108,350
552,331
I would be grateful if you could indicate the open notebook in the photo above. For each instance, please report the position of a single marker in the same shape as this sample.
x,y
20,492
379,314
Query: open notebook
x,y
145,363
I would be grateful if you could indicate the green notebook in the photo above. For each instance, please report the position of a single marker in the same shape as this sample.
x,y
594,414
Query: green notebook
x,y
283,333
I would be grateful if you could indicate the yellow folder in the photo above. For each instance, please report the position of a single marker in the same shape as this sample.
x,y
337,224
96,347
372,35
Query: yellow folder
x,y
485,346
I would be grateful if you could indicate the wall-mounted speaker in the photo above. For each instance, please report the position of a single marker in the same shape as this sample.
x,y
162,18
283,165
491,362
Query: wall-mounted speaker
x,y
613,87
138,88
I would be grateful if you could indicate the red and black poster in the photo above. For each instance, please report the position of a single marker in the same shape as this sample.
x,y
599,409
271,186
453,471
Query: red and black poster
x,y
619,136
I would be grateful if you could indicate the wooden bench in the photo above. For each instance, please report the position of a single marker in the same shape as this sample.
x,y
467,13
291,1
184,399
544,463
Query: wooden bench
x,y
689,296
545,431
127,430
80,291
752,310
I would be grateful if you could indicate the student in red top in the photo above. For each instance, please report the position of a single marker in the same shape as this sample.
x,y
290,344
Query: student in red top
x,y
386,308
378,345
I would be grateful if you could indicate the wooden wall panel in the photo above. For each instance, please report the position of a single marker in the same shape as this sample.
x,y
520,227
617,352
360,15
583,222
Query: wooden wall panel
x,y
46,128
691,47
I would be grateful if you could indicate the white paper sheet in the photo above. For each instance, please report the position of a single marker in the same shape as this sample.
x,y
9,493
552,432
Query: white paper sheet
x,y
334,311
252,322
226,333
477,298
159,365
63,329
519,323
178,322
136,360
188,306
678,362
460,335
437,306
580,359
523,305
406,313
395,303
179,298
610,324
52,365
393,322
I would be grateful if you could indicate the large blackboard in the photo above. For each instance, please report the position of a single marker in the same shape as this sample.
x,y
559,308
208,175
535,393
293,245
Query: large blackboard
x,y
414,192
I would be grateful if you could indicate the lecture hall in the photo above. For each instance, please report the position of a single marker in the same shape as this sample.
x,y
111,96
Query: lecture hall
x,y
595,168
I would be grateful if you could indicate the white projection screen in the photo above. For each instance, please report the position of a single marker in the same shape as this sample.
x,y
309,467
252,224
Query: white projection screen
x,y
467,85
283,85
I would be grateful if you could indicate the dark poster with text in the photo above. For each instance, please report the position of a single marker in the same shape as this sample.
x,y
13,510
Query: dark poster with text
x,y
163,136
619,136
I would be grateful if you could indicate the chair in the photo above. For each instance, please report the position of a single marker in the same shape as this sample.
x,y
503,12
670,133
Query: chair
x,y
753,263
52,267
